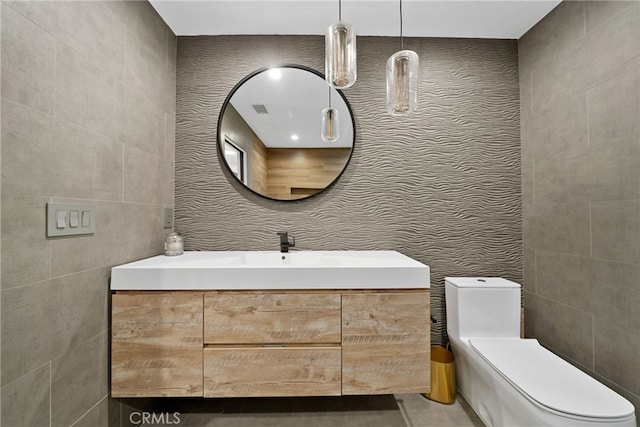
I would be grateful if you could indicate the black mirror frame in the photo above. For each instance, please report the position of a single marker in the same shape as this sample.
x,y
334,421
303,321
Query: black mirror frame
x,y
224,107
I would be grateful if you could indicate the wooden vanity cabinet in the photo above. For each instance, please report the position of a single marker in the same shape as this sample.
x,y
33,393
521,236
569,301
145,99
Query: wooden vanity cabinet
x,y
269,343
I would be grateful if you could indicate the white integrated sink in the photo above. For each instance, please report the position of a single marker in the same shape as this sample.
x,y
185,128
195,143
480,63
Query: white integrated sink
x,y
246,270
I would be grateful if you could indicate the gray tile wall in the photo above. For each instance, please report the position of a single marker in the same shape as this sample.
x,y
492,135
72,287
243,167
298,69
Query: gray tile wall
x,y
88,103
0,217
442,185
580,121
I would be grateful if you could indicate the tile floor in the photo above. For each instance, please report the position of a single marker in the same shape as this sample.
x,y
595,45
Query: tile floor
x,y
401,410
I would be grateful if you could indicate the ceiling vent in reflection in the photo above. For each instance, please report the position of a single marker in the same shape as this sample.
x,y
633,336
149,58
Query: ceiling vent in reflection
x,y
260,108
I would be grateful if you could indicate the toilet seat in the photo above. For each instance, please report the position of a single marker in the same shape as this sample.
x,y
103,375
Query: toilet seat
x,y
549,381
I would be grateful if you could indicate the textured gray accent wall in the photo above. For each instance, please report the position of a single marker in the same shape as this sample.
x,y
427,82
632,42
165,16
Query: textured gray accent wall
x,y
88,107
441,186
580,94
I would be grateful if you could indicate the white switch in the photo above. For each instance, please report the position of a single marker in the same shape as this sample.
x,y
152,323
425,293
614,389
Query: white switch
x,y
86,218
74,219
61,219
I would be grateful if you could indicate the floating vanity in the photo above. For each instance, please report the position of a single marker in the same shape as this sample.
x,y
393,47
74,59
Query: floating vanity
x,y
240,324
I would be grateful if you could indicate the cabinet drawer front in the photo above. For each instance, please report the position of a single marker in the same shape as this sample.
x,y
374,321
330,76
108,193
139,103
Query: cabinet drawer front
x,y
385,368
271,318
385,343
156,345
394,317
272,371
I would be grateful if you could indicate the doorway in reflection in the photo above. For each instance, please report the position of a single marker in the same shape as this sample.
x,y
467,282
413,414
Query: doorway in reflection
x,y
236,160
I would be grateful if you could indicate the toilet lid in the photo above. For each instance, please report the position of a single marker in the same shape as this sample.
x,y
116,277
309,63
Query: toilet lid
x,y
549,380
481,282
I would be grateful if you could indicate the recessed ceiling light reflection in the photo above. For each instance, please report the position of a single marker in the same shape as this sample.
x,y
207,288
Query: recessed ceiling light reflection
x,y
275,73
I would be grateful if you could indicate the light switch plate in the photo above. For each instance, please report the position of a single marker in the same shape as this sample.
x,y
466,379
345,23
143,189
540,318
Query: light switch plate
x,y
168,217
78,226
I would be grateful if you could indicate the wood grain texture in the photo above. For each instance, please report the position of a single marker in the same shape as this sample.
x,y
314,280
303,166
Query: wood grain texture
x,y
258,166
272,371
290,172
156,344
385,343
271,318
441,186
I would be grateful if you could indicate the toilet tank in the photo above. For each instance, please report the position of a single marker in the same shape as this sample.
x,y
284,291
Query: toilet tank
x,y
482,307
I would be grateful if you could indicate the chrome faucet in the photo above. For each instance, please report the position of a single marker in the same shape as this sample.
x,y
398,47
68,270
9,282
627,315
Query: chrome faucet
x,y
285,244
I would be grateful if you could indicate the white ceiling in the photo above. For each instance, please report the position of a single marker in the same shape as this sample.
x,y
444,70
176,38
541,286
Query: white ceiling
x,y
294,103
505,19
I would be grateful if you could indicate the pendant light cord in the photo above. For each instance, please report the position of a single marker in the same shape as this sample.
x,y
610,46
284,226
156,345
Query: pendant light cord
x,y
339,10
329,96
401,38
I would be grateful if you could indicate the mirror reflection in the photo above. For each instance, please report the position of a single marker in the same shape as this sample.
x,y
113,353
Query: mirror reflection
x,y
272,133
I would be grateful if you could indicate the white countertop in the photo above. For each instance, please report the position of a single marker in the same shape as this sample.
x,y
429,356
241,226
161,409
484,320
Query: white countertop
x,y
263,270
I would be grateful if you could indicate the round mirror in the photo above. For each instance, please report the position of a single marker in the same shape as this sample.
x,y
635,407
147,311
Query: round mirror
x,y
278,137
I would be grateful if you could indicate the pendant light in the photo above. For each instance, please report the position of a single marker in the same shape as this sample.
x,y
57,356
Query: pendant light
x,y
330,130
403,69
340,53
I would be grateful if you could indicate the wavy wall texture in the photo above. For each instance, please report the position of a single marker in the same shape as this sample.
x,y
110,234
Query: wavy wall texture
x,y
441,186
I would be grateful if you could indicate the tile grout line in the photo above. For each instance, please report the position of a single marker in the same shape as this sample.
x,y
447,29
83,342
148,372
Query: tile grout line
x,y
586,104
403,412
26,373
50,387
533,181
74,199
124,86
533,160
535,271
49,362
55,75
123,167
584,20
574,255
593,342
57,277
55,96
89,410
579,365
590,231
564,304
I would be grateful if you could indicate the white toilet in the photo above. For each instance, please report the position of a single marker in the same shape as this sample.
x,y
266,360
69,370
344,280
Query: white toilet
x,y
511,381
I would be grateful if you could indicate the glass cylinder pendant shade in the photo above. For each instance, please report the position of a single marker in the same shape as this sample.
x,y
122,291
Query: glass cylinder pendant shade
x,y
403,70
340,55
330,125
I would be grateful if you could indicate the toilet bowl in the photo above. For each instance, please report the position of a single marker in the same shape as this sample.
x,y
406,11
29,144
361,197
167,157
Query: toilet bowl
x,y
510,381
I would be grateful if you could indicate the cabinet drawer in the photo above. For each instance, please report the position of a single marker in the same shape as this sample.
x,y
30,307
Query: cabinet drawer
x,y
156,344
272,371
386,369
271,318
385,343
